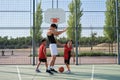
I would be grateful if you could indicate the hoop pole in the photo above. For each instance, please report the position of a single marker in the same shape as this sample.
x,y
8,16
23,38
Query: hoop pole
x,y
52,3
57,3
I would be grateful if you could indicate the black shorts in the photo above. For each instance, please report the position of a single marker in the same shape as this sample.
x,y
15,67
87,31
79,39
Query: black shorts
x,y
67,61
42,60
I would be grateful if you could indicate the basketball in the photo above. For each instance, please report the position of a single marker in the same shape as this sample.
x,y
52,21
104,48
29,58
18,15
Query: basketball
x,y
61,69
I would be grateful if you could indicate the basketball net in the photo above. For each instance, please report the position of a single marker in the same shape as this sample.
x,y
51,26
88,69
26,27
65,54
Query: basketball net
x,y
54,20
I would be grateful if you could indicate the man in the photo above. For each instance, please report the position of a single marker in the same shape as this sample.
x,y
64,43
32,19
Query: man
x,y
51,33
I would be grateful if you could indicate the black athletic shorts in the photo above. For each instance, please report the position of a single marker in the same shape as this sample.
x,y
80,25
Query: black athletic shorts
x,y
67,61
42,60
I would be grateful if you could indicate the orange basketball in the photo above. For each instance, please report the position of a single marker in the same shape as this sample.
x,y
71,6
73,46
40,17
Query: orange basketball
x,y
61,69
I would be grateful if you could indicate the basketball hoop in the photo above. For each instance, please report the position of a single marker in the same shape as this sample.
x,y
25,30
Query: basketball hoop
x,y
54,20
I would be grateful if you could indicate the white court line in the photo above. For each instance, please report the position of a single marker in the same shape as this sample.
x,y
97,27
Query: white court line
x,y
18,71
93,69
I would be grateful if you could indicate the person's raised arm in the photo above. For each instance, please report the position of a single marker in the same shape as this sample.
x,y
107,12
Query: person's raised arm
x,y
58,43
56,33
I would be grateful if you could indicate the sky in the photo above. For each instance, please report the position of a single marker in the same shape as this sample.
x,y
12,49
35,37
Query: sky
x,y
16,16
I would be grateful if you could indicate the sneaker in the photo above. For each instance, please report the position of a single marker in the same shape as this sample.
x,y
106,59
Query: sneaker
x,y
48,71
37,70
68,72
54,70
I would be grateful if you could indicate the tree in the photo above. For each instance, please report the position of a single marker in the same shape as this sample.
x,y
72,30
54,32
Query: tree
x,y
38,22
110,21
71,21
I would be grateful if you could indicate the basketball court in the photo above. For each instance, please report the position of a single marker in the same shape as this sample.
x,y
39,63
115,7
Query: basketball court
x,y
79,72
18,46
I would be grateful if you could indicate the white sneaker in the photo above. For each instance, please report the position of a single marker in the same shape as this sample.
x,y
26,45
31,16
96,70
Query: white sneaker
x,y
68,72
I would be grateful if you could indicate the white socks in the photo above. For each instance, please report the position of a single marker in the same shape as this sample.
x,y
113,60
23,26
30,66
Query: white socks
x,y
50,67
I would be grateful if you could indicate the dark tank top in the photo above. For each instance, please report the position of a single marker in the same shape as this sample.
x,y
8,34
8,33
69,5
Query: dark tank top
x,y
51,39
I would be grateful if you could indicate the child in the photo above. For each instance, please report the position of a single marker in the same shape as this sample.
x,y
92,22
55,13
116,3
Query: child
x,y
67,54
42,56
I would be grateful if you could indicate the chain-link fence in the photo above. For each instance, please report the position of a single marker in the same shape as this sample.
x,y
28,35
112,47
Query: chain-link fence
x,y
16,22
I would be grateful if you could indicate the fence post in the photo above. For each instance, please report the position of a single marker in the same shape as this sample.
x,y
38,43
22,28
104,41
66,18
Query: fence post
x,y
76,31
117,30
33,38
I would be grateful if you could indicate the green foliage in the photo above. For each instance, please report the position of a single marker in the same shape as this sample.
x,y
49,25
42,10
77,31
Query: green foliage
x,y
48,54
25,42
87,54
86,41
12,43
96,54
71,21
110,20
38,22
60,54
31,55
62,40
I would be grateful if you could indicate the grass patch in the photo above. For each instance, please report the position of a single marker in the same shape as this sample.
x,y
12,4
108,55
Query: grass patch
x,y
31,55
96,54
60,54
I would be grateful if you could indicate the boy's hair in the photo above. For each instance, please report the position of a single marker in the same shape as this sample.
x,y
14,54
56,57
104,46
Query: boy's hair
x,y
53,25
68,41
43,40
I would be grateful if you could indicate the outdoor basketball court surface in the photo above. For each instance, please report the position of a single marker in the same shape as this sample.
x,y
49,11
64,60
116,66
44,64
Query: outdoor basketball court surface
x,y
80,72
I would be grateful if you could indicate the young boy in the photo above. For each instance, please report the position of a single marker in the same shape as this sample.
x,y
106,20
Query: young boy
x,y
42,56
67,54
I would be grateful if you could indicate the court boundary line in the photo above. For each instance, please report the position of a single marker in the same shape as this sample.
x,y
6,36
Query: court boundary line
x,y
93,70
18,73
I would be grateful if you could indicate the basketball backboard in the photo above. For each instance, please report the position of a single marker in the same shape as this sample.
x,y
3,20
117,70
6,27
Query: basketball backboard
x,y
54,15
